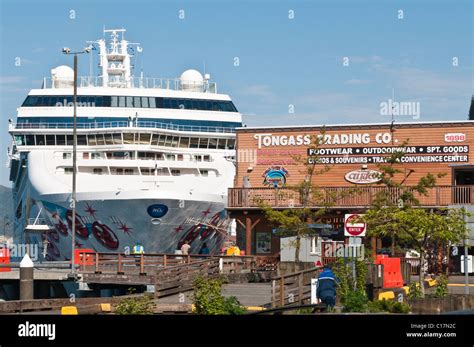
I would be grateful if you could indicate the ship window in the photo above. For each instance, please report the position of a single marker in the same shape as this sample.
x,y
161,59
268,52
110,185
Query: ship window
x,y
99,101
81,140
159,103
50,140
96,155
184,142
203,143
194,142
117,139
201,105
114,101
146,155
174,141
230,143
129,101
68,170
46,101
152,102
90,101
136,101
31,101
108,139
97,171
92,141
206,158
212,143
68,101
175,103
154,139
121,101
168,141
128,171
188,104
166,103
67,155
145,171
20,140
208,105
221,144
160,156
69,140
100,139
40,140
170,157
198,158
106,101
53,101
204,173
145,139
176,172
30,140
119,171
180,157
162,171
161,142
144,102
60,140
85,155
128,138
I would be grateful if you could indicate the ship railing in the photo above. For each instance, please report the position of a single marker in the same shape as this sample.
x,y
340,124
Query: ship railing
x,y
124,124
133,82
37,221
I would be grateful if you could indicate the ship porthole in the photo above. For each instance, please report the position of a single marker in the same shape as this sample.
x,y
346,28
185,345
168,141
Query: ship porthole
x,y
155,221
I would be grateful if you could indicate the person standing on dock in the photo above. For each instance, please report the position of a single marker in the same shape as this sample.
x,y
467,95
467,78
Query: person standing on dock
x,y
138,250
204,249
326,290
185,248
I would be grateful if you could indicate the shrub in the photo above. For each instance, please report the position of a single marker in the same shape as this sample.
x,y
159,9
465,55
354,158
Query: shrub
x,y
208,299
390,306
442,287
137,305
415,291
355,301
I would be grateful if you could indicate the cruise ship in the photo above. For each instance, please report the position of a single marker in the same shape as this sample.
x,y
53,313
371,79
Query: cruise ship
x,y
155,157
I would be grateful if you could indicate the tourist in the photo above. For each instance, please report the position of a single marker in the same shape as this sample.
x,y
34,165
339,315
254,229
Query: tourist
x,y
204,249
185,248
326,291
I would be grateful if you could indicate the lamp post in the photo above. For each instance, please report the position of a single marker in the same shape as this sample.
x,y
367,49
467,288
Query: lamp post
x,y
74,156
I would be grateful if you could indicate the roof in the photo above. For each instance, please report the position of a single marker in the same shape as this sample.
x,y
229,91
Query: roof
x,y
359,126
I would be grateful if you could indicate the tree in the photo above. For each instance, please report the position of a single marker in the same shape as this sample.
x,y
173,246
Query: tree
x,y
307,201
396,213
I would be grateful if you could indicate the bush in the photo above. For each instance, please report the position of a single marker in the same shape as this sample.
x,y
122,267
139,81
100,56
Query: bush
x,y
415,291
355,301
208,299
138,305
442,287
390,306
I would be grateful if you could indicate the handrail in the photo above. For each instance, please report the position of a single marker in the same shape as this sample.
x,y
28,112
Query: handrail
x,y
124,124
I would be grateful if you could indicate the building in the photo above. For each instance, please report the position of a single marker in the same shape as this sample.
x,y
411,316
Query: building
x,y
266,163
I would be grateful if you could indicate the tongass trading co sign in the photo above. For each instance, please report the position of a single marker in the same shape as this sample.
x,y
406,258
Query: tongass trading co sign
x,y
363,176
353,227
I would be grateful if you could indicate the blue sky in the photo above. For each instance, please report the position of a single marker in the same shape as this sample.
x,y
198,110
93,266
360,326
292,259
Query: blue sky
x,y
283,61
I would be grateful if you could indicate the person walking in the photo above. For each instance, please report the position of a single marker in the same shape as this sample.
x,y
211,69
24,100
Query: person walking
x,y
326,291
185,248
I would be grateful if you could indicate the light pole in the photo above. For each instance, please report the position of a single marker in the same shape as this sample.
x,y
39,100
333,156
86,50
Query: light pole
x,y
74,156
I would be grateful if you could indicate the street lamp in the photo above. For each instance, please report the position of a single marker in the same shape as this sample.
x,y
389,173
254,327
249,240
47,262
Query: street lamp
x,y
67,51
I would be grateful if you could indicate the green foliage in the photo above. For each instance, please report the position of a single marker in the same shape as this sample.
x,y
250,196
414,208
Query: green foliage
x,y
441,289
415,291
136,305
390,306
353,300
209,300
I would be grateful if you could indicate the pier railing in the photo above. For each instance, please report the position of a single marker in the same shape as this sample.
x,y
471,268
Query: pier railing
x,y
345,197
120,263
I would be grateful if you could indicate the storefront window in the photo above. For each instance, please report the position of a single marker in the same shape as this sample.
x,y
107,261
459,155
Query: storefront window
x,y
263,243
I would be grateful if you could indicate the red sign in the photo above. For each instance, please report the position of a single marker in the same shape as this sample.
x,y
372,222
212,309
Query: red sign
x,y
353,227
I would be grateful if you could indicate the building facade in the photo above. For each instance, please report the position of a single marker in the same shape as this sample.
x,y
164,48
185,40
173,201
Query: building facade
x,y
270,158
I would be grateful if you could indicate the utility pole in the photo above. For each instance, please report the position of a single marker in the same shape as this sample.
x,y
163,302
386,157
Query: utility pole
x,y
74,158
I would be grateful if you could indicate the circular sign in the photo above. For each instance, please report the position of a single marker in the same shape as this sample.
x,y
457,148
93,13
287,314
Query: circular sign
x,y
352,226
157,210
